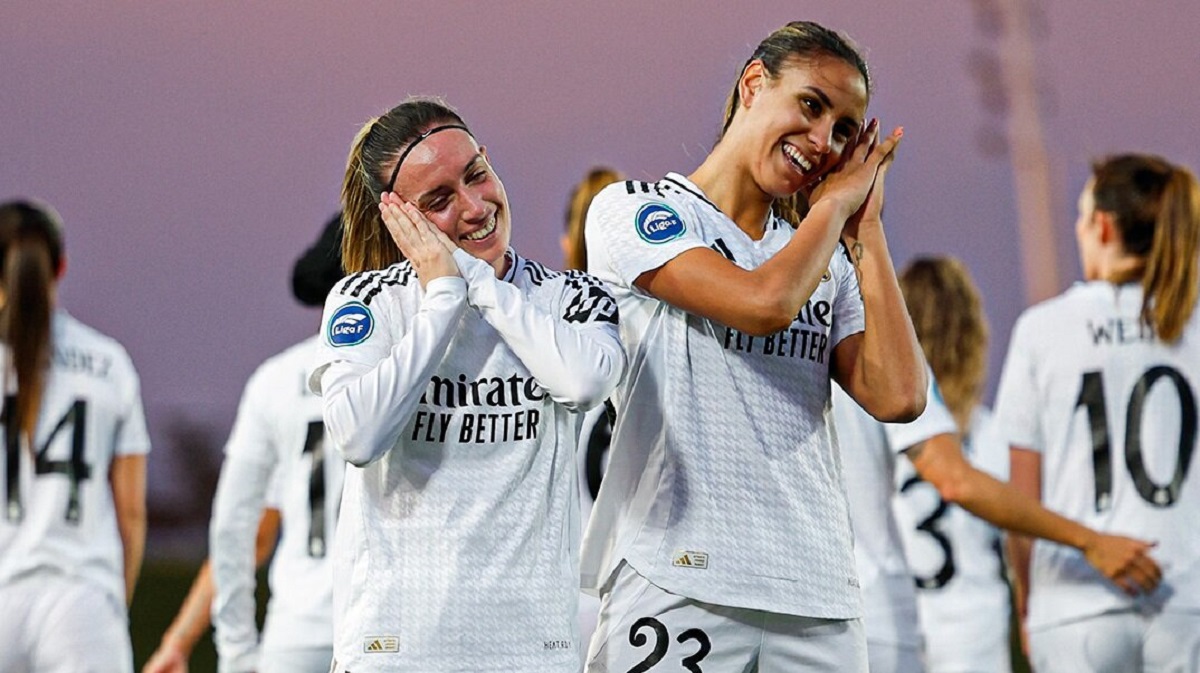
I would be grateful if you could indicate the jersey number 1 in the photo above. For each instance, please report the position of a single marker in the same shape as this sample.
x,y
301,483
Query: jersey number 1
x,y
74,468
314,443
1091,398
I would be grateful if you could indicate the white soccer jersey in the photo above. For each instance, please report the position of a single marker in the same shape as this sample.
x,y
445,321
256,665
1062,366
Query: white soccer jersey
x,y
276,455
723,484
58,509
869,449
962,596
457,544
1113,412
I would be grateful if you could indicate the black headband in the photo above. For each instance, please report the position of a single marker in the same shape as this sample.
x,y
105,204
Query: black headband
x,y
392,183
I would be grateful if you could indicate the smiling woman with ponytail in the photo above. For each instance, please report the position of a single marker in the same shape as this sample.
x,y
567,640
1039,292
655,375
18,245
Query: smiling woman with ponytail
x,y
74,468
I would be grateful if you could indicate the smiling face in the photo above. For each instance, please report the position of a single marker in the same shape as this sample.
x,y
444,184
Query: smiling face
x,y
799,123
448,177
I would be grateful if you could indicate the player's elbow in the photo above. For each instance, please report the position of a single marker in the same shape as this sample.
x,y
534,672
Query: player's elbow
x,y
764,315
955,485
592,388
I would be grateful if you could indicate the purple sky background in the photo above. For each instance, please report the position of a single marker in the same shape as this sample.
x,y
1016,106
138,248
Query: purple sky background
x,y
194,149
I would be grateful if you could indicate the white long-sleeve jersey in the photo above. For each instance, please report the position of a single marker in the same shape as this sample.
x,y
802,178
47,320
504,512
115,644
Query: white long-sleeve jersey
x,y
457,407
276,457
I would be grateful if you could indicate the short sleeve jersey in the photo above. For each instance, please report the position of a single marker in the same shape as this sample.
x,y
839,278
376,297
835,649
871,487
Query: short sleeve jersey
x,y
58,516
279,426
723,484
1112,409
458,549
869,451
962,594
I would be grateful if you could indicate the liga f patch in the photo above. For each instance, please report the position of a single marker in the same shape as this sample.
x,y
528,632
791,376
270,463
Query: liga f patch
x,y
691,559
657,223
350,325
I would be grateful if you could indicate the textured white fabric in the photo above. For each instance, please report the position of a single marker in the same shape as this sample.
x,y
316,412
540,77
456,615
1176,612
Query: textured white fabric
x,y
673,633
962,596
62,625
1078,367
869,449
276,446
62,521
723,484
1119,642
457,543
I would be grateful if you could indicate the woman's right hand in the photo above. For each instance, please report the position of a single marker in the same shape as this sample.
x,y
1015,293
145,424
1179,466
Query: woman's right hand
x,y
1124,561
851,181
424,245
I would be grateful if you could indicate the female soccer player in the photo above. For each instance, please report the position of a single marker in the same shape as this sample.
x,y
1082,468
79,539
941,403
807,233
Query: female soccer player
x,y
453,371
962,597
74,473
720,539
276,471
1098,402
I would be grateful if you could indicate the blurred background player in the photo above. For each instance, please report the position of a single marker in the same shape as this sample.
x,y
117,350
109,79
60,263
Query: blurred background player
x,y
720,538
955,557
932,446
276,412
453,371
1098,401
74,469
596,432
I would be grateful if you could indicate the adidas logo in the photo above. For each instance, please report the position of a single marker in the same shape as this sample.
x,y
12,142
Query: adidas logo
x,y
691,559
381,644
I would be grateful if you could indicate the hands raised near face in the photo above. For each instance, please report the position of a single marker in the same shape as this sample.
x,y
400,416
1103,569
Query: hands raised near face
x,y
857,181
420,241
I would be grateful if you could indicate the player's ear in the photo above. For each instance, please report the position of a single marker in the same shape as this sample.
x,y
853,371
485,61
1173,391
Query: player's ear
x,y
1107,227
753,79
62,267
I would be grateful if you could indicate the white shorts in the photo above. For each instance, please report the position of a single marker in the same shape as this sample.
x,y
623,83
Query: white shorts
x,y
295,660
642,627
57,624
1119,642
894,658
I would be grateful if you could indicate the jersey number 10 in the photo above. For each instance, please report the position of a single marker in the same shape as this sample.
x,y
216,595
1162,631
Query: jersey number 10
x,y
1091,398
73,468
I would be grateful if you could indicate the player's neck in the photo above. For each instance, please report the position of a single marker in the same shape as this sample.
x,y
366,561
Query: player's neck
x,y
732,189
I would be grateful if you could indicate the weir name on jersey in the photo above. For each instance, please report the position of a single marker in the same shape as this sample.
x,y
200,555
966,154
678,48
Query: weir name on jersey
x,y
795,341
484,427
1119,331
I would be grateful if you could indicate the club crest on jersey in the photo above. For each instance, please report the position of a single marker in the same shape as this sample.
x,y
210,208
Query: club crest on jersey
x,y
350,325
657,223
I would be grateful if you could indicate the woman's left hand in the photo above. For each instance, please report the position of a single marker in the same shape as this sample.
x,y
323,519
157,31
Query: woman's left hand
x,y
871,211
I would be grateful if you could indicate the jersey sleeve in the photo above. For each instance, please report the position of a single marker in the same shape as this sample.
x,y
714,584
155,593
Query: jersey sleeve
x,y
935,420
1017,404
848,312
637,232
251,438
572,349
132,439
374,364
237,509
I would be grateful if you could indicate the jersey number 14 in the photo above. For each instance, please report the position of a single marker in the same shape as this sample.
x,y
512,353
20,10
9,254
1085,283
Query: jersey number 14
x,y
74,468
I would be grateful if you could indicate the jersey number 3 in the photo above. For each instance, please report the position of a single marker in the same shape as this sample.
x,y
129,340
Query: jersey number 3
x,y
74,468
1091,398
